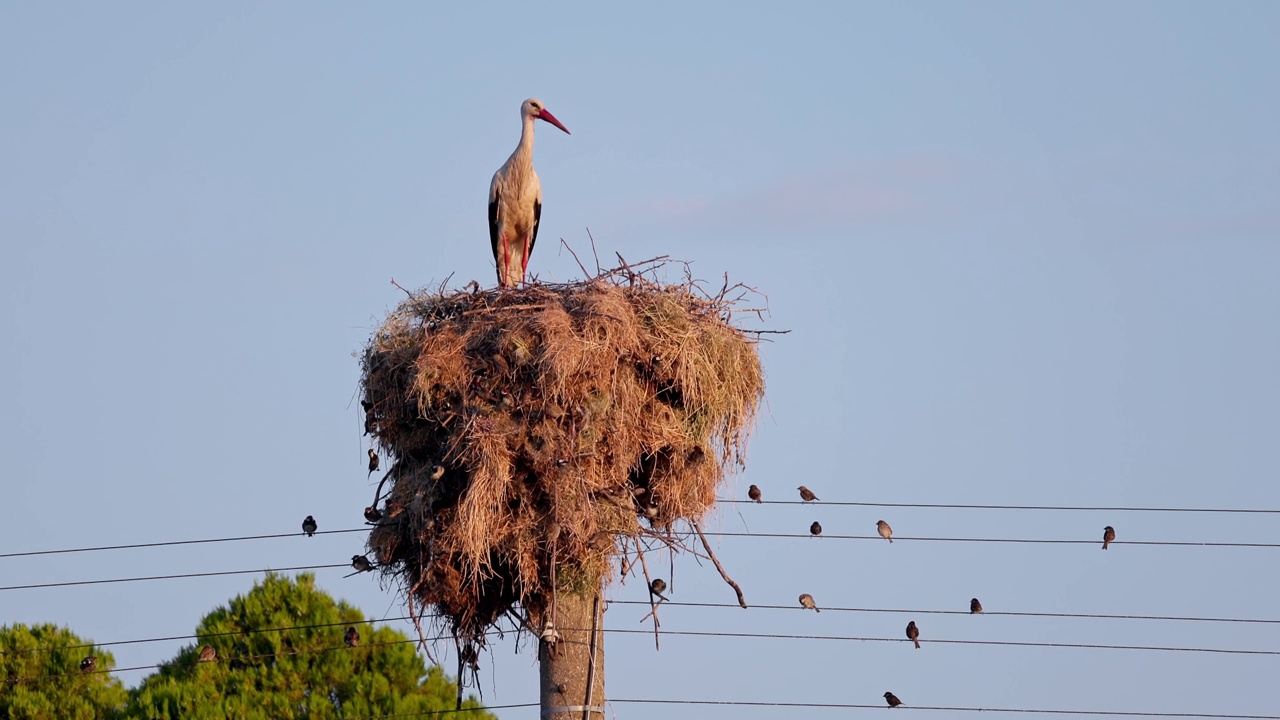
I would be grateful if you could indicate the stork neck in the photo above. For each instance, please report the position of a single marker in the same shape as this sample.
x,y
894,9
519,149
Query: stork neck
x,y
525,148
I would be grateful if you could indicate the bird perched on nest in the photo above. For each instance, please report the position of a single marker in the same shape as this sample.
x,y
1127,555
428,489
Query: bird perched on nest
x,y
806,601
515,201
207,654
88,664
373,462
368,416
657,587
351,637
371,515
892,699
815,529
470,657
361,564
309,526
885,531
913,633
1108,536
753,492
975,607
806,494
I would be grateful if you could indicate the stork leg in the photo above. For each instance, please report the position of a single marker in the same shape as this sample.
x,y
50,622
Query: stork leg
x,y
506,259
524,257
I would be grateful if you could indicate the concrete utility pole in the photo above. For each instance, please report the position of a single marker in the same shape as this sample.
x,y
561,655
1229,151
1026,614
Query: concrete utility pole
x,y
571,669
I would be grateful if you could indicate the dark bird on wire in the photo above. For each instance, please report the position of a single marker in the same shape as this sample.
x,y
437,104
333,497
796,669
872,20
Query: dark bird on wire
x,y
753,492
806,494
309,526
372,515
892,699
885,531
975,607
88,664
1108,536
373,462
806,601
361,564
657,587
913,633
815,528
207,654
351,637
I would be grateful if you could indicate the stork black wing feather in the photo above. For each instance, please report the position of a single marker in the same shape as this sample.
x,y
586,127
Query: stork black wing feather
x,y
493,225
537,222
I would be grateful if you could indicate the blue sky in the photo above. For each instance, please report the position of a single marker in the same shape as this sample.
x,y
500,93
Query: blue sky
x,y
1027,251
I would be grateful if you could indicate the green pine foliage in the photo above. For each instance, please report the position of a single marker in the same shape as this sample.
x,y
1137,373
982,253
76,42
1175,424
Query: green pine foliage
x,y
263,673
52,686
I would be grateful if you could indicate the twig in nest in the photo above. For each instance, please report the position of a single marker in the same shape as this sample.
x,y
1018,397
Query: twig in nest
x,y
575,257
648,583
593,250
417,623
741,600
406,292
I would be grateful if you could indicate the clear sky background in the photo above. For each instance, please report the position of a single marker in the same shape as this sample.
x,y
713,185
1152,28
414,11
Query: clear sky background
x,y
1029,253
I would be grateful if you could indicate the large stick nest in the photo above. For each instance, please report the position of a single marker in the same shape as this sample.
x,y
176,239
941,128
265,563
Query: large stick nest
x,y
540,426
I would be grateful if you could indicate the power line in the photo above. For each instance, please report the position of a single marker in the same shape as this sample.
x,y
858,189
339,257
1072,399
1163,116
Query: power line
x,y
242,658
881,706
167,543
171,577
905,611
926,641
201,541
427,713
896,538
170,638
958,506
668,603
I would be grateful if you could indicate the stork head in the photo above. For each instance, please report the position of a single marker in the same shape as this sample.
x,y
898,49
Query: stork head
x,y
533,108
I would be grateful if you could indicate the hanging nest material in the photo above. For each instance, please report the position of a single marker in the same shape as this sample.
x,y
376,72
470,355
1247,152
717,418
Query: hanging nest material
x,y
533,430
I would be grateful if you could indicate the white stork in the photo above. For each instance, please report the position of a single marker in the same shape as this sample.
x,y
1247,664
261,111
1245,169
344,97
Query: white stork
x,y
515,201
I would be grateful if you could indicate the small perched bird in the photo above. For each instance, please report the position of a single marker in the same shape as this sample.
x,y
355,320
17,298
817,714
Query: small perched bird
x,y
806,601
913,633
309,526
753,492
657,587
515,201
207,654
806,494
815,528
470,657
351,637
373,462
892,699
975,607
361,564
885,531
1108,536
88,664
372,515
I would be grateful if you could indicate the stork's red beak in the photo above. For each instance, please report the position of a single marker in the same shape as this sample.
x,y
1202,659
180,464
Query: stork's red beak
x,y
552,119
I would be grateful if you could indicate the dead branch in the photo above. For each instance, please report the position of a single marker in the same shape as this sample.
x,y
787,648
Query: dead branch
x,y
741,599
406,292
648,585
575,257
593,250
